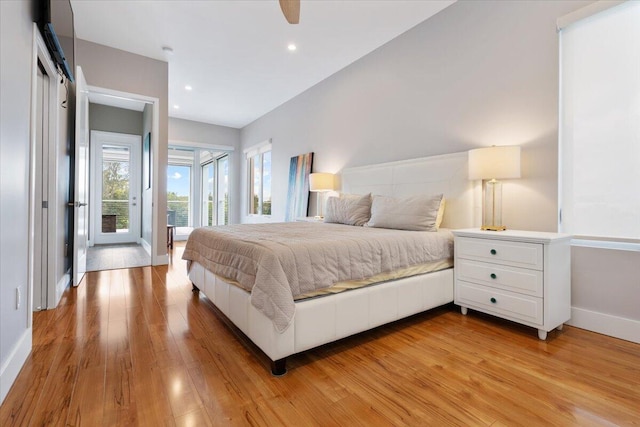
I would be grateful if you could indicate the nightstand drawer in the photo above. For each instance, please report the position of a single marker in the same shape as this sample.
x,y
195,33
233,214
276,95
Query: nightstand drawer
x,y
513,279
516,254
502,303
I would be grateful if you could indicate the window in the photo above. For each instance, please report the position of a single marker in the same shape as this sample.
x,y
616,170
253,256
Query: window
x,y
116,183
259,166
208,186
222,191
197,187
179,187
599,116
215,190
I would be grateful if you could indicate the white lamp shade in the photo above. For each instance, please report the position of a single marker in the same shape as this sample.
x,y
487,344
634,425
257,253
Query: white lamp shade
x,y
494,162
320,181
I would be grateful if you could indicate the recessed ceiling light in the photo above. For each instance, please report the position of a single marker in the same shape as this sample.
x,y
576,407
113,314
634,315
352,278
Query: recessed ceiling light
x,y
176,107
187,87
291,47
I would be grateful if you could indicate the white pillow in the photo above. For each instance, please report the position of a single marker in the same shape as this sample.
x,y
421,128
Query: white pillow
x,y
440,214
417,213
349,209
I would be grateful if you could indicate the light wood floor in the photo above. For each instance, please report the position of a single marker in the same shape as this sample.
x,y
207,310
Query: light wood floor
x,y
136,347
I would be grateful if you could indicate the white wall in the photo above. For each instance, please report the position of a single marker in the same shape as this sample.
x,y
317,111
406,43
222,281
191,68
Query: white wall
x,y
187,131
605,291
476,74
16,44
111,119
203,133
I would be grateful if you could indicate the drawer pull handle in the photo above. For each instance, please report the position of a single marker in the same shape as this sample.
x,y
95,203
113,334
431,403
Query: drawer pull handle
x,y
493,300
493,252
493,275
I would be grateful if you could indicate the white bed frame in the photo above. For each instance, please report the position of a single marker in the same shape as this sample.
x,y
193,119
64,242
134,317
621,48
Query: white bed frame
x,y
323,320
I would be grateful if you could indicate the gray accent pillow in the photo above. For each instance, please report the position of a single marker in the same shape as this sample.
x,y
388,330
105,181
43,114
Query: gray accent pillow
x,y
417,213
349,209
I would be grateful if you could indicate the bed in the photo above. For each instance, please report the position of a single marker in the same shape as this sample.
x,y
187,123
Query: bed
x,y
282,325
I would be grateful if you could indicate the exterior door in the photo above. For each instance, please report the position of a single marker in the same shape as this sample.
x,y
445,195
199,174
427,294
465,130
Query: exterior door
x,y
208,185
116,174
81,180
215,192
222,190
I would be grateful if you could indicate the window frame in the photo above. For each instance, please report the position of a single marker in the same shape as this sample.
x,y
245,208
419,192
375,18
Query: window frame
x,y
257,151
214,163
216,180
191,166
204,212
215,152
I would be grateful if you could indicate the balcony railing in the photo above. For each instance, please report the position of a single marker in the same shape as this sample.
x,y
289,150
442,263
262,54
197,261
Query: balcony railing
x,y
178,211
119,208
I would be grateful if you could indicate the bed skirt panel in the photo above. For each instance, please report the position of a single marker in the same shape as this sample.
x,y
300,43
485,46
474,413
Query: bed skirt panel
x,y
319,321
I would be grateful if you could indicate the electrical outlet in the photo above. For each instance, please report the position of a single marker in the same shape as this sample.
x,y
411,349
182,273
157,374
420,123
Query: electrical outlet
x,y
18,297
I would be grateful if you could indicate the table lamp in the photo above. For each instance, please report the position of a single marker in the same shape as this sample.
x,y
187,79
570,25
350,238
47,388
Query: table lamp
x,y
491,164
320,182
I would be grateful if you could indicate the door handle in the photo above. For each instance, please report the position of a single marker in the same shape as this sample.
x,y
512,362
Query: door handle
x,y
76,204
81,204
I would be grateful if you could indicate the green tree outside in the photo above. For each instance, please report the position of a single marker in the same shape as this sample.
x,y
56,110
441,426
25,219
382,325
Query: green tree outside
x,y
115,192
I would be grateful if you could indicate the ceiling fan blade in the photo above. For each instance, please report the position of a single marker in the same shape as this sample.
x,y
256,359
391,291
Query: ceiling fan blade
x,y
291,10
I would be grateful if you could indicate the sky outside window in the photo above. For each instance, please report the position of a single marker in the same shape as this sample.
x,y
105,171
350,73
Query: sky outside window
x,y
179,180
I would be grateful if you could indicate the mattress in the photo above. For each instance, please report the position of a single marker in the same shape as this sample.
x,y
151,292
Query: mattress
x,y
387,276
279,262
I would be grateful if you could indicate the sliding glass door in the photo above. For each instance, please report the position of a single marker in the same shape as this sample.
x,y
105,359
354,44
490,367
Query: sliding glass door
x,y
208,186
222,190
180,190
215,190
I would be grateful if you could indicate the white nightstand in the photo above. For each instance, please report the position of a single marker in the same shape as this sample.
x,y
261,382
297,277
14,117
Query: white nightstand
x,y
523,276
309,219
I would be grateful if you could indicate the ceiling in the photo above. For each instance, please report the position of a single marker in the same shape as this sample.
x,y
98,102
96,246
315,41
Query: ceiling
x,y
234,54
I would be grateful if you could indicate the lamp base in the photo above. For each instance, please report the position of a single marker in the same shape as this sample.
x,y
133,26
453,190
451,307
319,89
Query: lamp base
x,y
492,207
493,228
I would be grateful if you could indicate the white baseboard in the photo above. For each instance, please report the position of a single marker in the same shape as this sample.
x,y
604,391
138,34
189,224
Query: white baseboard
x,y
61,286
614,326
11,368
161,259
146,246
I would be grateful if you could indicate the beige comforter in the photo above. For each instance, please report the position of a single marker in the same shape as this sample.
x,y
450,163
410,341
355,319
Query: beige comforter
x,y
277,262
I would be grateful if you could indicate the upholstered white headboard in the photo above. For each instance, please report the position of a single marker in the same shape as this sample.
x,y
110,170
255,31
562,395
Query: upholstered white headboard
x,y
446,174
